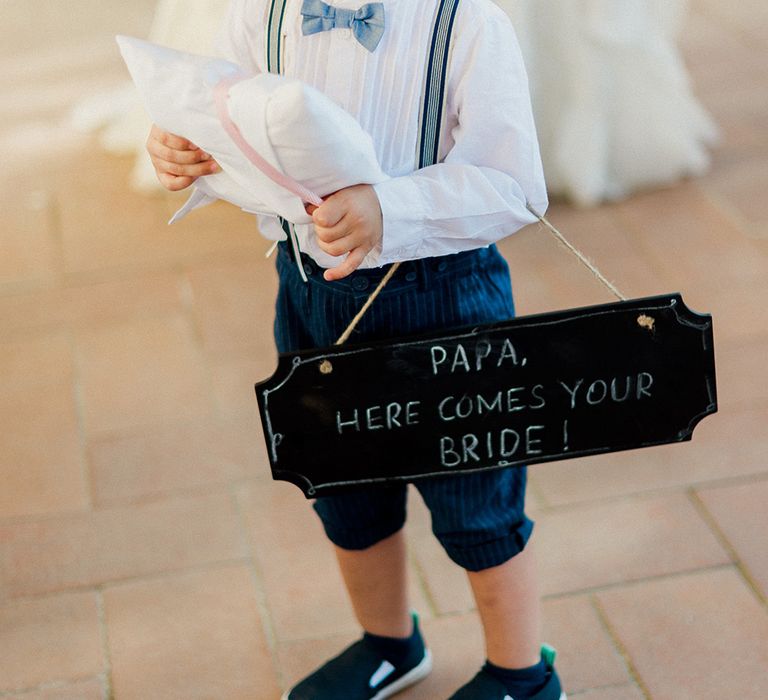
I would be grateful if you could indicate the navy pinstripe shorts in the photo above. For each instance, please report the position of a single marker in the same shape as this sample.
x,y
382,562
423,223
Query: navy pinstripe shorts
x,y
478,518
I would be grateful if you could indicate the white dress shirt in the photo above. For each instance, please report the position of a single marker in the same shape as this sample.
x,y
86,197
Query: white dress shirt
x,y
490,164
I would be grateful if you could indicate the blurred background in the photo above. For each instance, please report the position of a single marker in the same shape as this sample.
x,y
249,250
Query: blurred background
x,y
144,550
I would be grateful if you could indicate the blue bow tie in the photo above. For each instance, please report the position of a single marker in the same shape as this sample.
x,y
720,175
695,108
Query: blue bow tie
x,y
366,23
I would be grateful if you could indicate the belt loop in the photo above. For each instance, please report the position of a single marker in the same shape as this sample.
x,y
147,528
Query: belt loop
x,y
423,270
293,242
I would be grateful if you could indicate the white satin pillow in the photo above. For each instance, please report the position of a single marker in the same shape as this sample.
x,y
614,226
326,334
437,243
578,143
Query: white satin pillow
x,y
296,128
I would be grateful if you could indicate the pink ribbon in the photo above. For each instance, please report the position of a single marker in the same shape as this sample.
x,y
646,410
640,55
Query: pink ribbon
x,y
221,94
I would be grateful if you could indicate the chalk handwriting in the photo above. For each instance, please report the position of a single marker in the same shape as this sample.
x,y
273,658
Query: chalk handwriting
x,y
510,400
617,389
379,417
494,445
474,358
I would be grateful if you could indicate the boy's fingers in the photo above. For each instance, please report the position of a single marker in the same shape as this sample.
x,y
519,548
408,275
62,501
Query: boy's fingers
x,y
174,183
340,246
198,169
351,264
173,155
329,213
310,208
178,143
334,233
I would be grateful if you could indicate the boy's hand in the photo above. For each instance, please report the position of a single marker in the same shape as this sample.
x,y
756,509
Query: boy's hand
x,y
178,162
348,221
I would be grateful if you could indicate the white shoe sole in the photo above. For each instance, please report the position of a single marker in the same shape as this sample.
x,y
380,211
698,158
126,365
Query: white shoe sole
x,y
416,674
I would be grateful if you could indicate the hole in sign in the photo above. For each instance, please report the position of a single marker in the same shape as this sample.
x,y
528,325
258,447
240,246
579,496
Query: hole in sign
x,y
325,367
647,322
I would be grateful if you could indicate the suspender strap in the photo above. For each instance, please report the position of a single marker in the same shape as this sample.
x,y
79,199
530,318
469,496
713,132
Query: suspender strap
x,y
435,82
275,36
435,78
274,46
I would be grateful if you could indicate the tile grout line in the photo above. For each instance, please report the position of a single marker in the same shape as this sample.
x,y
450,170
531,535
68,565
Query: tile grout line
x,y
634,673
609,686
147,500
138,269
657,262
729,211
717,531
579,593
185,493
53,212
421,580
50,685
107,686
56,235
345,635
675,489
68,281
738,30
191,317
82,433
127,580
262,602
590,590
539,494
223,486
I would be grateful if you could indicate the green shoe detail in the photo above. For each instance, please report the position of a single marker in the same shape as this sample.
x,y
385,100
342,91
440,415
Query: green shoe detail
x,y
549,654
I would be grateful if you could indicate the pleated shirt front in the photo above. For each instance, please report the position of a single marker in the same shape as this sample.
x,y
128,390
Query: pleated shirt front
x,y
490,164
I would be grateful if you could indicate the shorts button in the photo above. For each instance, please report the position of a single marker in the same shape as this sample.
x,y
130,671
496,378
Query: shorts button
x,y
307,269
442,266
360,284
410,276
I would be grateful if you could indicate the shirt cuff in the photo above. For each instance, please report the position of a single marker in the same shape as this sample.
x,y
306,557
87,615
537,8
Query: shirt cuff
x,y
402,210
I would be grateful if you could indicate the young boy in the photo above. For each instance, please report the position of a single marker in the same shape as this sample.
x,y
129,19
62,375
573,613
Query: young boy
x,y
441,219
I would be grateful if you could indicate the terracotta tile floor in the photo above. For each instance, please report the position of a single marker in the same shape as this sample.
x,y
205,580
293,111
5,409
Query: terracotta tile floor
x,y
145,553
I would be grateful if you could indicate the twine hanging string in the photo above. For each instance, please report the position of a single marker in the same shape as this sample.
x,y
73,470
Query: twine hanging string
x,y
548,225
344,337
579,255
221,93
643,320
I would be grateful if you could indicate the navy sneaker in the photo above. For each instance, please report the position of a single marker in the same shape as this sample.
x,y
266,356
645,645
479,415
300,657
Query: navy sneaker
x,y
485,687
360,672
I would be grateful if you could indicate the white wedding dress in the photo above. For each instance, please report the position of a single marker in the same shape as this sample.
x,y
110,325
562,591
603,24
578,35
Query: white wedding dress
x,y
614,107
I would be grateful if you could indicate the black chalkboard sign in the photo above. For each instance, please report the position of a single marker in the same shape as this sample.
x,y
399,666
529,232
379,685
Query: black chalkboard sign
x,y
534,389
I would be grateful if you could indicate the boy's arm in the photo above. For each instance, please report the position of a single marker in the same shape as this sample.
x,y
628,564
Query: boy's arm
x,y
177,161
478,194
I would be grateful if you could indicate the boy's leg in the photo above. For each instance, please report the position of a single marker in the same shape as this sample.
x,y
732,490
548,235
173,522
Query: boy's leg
x,y
480,520
391,654
508,601
376,580
507,598
366,528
